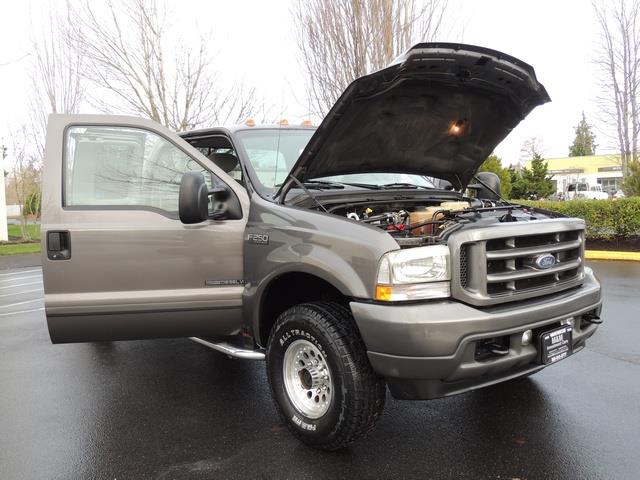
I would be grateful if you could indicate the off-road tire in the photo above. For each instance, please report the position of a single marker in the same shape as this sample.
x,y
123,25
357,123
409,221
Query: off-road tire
x,y
358,393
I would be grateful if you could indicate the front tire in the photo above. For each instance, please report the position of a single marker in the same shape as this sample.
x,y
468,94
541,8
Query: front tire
x,y
321,380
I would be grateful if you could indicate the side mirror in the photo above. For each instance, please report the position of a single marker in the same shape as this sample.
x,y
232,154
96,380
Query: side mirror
x,y
444,184
491,180
193,198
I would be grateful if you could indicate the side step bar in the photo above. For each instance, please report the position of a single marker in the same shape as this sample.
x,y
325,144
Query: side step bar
x,y
231,350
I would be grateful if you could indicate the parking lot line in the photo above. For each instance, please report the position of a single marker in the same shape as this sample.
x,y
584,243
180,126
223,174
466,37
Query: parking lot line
x,y
20,272
20,293
13,279
22,303
20,285
21,311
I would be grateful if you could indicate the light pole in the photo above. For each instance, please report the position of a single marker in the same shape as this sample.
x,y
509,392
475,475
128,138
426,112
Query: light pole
x,y
4,234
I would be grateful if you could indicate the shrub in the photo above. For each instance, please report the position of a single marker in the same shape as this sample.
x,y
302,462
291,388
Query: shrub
x,y
32,204
606,219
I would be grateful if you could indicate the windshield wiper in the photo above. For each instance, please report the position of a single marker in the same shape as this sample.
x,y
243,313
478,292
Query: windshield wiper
x,y
309,194
370,186
403,185
318,185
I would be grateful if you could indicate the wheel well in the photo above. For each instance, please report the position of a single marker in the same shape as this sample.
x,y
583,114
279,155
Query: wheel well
x,y
292,289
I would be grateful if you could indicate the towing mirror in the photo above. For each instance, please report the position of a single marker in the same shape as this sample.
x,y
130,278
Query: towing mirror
x,y
193,199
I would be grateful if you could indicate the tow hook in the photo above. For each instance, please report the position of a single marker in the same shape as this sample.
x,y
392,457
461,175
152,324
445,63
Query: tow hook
x,y
488,348
592,318
498,349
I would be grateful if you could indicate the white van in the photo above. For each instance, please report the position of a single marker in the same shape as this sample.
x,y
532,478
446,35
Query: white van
x,y
585,190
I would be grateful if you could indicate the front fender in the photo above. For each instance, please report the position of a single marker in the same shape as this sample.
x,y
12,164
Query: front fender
x,y
281,239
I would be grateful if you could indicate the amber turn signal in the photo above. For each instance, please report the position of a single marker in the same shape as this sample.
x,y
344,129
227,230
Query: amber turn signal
x,y
383,292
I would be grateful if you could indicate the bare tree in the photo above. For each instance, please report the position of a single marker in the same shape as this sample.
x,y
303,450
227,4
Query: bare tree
x,y
24,175
340,40
124,47
531,148
56,75
619,59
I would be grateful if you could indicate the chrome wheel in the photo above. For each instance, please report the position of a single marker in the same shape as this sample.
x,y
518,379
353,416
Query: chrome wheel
x,y
307,379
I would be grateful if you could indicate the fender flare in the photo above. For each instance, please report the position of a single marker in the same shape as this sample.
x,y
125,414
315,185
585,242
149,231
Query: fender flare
x,y
348,283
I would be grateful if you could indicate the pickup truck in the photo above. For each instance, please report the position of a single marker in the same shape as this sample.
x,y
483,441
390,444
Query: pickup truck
x,y
359,256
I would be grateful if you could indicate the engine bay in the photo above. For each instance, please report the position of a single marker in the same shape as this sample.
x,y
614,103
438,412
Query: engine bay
x,y
415,223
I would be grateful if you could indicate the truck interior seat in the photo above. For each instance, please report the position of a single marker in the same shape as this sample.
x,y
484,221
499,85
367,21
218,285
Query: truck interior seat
x,y
226,161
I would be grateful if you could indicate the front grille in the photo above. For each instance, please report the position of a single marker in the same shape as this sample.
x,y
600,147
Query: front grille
x,y
463,266
494,270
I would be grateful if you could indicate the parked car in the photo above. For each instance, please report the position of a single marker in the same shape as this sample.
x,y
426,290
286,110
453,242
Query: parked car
x,y
586,191
326,252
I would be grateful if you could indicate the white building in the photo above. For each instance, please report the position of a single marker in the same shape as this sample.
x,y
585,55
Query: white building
x,y
603,169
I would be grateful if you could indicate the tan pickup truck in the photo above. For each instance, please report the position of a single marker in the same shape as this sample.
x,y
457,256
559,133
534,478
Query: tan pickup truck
x,y
362,255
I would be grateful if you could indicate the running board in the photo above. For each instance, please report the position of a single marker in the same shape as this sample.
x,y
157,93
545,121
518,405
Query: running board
x,y
231,350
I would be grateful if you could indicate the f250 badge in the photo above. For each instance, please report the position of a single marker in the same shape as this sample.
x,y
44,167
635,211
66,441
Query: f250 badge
x,y
258,238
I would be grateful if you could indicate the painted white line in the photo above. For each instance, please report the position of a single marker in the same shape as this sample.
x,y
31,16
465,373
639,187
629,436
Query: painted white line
x,y
20,293
21,311
20,285
22,303
9,280
20,272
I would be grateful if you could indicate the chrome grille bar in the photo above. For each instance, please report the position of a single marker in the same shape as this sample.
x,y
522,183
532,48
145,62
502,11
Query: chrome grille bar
x,y
510,276
527,252
501,263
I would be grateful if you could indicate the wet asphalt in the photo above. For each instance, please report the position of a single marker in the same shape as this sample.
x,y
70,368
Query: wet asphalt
x,y
172,409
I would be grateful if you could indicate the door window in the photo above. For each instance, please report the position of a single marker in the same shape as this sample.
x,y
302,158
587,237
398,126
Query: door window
x,y
124,167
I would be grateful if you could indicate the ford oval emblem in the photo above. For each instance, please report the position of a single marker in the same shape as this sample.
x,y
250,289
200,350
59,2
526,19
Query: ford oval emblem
x,y
544,261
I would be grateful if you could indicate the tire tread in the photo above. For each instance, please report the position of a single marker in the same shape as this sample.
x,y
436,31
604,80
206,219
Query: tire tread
x,y
369,392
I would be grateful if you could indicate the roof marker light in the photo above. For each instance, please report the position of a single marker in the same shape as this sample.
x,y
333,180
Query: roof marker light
x,y
284,121
249,122
307,123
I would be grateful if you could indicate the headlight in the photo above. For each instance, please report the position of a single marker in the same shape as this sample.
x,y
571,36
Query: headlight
x,y
414,274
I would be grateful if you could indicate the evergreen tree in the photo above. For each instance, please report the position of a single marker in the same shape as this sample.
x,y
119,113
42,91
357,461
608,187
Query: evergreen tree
x,y
518,188
631,185
537,181
494,164
534,183
584,143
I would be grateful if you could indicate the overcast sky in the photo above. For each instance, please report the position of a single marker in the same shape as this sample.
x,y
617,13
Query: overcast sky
x,y
255,41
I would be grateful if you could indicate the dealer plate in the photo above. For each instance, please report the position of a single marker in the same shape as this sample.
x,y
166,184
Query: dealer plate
x,y
556,345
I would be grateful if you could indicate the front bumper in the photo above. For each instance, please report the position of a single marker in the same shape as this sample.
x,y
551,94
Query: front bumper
x,y
428,350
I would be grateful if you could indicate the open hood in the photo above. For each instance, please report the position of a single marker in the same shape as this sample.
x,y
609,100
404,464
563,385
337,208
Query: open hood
x,y
439,110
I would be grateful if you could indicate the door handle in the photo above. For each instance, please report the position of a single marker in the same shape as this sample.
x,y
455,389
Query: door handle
x,y
58,245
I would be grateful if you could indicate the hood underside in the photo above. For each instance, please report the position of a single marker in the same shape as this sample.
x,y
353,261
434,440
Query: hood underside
x,y
438,111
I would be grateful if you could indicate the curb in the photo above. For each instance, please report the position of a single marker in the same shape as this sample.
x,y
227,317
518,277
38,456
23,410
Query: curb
x,y
609,255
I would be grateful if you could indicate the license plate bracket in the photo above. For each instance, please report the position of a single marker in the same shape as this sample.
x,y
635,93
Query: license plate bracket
x,y
556,344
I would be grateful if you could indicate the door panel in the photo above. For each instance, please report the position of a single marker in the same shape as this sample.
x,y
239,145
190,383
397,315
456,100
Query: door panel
x,y
133,269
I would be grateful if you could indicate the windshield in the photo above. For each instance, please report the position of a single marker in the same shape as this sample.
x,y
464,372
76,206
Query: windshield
x,y
273,152
380,179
